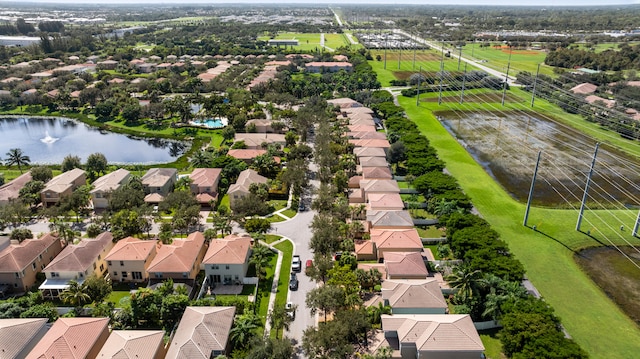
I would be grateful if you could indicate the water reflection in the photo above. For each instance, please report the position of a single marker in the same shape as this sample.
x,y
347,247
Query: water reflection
x,y
49,140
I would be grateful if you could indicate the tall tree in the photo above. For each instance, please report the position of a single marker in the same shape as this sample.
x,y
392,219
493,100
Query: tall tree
x,y
280,318
75,294
244,329
96,165
15,156
70,162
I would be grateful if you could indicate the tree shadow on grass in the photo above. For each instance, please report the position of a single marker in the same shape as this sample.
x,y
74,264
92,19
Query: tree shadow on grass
x,y
564,245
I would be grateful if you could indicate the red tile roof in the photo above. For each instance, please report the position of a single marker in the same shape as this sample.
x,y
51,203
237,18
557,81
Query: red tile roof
x,y
231,249
17,257
131,249
70,338
79,257
179,256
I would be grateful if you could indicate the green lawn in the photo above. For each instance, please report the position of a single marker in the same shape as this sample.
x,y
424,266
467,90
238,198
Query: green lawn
x,y
289,212
264,289
286,247
546,254
278,204
430,232
275,218
120,298
492,344
498,59
270,238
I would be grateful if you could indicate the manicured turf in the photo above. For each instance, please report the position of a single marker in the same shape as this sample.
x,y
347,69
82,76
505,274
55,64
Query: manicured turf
x,y
264,289
119,298
286,247
589,316
492,344
498,58
289,213
311,41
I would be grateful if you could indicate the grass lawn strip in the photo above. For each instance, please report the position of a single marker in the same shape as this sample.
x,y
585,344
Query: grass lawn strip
x,y
286,247
264,289
593,320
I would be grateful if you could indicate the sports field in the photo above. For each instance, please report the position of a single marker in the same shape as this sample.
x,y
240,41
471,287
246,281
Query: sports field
x,y
589,316
498,58
311,41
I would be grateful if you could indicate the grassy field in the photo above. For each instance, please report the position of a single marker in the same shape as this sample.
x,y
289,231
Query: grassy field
x,y
311,41
498,58
286,247
547,254
605,46
400,64
492,345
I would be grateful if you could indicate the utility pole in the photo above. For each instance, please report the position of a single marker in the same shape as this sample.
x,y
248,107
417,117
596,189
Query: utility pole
x,y
636,227
464,80
533,182
459,57
399,56
535,82
586,188
418,96
386,43
506,78
441,74
415,47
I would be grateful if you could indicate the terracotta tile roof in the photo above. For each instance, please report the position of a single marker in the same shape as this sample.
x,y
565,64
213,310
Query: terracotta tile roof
x,y
373,161
132,344
158,177
201,331
246,154
405,264
363,247
354,182
376,173
344,102
397,239
245,179
111,181
389,218
16,335
379,266
179,256
205,177
328,64
366,135
206,198
413,293
591,99
369,152
70,338
153,198
384,201
79,257
435,332
63,181
257,139
131,249
231,249
379,186
362,121
584,88
17,257
370,143
11,190
361,128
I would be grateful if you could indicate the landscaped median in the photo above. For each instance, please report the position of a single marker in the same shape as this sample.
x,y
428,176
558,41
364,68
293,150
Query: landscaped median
x,y
593,320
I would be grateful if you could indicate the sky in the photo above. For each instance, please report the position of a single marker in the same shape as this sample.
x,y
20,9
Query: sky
x,y
435,2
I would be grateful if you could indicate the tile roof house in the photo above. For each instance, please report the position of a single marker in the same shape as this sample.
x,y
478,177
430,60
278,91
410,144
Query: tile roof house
x,y
133,344
204,184
158,182
227,259
262,125
77,262
372,162
593,99
369,152
366,134
384,144
11,190
433,335
241,188
130,258
379,186
344,102
203,332
103,186
245,155
18,336
365,250
61,186
395,240
179,260
584,88
20,262
321,67
384,202
255,140
361,128
414,296
405,265
376,173
389,219
72,338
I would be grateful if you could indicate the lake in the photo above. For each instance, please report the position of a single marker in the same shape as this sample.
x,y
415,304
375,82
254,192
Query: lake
x,y
49,140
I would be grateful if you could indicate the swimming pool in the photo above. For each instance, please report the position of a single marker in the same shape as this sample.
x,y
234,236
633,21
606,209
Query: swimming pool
x,y
211,122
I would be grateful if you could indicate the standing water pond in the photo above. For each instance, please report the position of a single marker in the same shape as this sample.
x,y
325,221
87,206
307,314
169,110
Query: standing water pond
x,y
506,145
49,140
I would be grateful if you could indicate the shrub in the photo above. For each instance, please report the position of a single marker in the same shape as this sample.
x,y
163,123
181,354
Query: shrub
x,y
20,234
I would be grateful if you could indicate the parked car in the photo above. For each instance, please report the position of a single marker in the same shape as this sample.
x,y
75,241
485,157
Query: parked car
x,y
296,264
308,266
291,312
293,282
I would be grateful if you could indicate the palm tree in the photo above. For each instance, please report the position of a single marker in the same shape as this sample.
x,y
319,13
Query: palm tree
x,y
75,294
16,157
201,159
260,259
466,280
376,312
244,329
